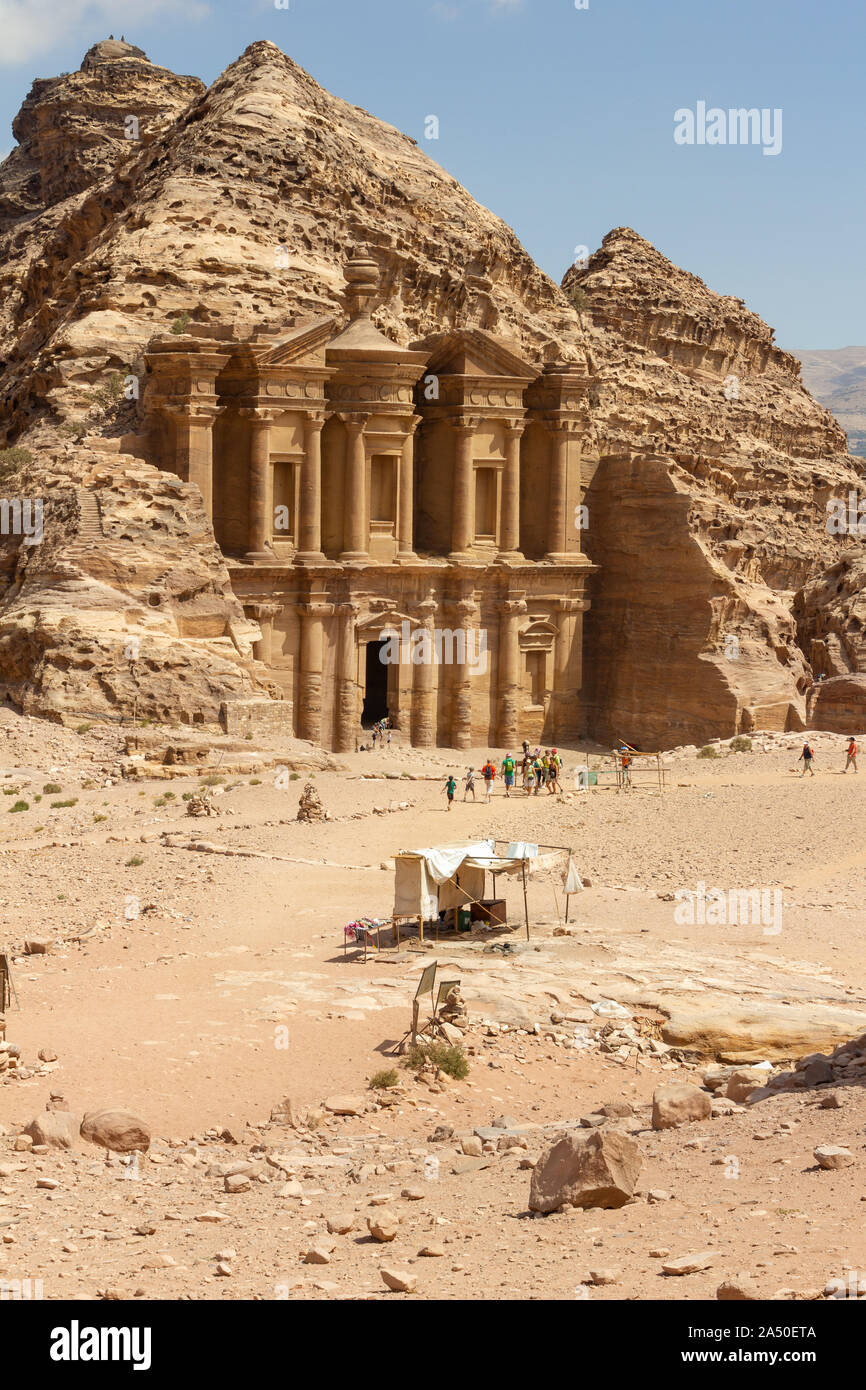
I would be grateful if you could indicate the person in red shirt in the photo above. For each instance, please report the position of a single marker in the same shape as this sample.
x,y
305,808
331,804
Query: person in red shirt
x,y
851,760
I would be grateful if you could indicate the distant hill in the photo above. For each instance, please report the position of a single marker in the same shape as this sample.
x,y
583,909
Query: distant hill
x,y
837,378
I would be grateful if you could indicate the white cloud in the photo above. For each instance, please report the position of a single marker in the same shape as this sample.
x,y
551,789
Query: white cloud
x,y
30,28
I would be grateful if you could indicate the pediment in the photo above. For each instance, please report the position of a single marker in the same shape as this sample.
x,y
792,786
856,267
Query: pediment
x,y
477,353
382,622
303,345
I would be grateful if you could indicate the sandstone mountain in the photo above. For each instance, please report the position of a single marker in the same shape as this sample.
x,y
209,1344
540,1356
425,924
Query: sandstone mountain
x,y
239,204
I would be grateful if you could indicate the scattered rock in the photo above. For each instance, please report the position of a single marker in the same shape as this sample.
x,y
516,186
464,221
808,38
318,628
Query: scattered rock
x,y
833,1156
117,1130
679,1103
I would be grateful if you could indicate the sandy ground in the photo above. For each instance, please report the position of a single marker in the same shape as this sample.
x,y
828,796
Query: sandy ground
x,y
200,988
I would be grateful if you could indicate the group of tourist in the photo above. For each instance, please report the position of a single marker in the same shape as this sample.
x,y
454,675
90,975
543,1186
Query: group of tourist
x,y
536,769
381,731
807,757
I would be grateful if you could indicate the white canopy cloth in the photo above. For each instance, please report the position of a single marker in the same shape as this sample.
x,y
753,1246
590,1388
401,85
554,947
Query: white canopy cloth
x,y
424,878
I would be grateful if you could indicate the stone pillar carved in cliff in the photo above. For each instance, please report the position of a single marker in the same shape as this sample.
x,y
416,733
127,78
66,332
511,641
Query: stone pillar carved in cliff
x,y
260,462
346,720
566,668
355,524
310,499
509,541
194,447
313,615
264,614
462,492
508,681
423,684
557,520
406,502
465,653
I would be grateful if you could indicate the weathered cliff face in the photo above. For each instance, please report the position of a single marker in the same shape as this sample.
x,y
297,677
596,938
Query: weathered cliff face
x,y
239,205
125,605
708,510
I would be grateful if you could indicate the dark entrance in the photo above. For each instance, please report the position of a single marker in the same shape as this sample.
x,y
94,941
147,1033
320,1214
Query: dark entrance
x,y
375,685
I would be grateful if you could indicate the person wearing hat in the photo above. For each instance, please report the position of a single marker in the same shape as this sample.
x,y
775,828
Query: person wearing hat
x,y
469,784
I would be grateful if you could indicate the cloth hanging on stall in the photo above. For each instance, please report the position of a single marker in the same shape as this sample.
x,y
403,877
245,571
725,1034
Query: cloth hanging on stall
x,y
571,878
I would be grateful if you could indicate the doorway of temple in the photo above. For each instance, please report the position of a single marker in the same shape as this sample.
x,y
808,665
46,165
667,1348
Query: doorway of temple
x,y
375,685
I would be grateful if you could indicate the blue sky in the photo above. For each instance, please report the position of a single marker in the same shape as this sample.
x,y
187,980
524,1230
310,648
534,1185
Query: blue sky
x,y
562,119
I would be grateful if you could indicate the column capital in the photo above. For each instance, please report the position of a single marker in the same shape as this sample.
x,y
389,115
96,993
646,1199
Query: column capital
x,y
315,609
465,423
353,419
514,429
348,609
258,416
555,425
315,420
513,607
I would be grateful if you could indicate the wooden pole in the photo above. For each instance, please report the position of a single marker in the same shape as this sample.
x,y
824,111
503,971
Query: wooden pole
x,y
525,900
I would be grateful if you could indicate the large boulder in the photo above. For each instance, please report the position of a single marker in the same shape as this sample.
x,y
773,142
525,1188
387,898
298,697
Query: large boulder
x,y
679,1103
743,1081
117,1130
56,1128
593,1168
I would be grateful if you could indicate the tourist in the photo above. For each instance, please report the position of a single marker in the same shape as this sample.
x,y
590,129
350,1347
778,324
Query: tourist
x,y
528,777
450,789
469,784
806,759
625,761
554,762
851,760
488,772
508,773
537,772
375,735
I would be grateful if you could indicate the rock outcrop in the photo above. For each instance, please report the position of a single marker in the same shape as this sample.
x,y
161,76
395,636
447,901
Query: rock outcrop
x,y
708,511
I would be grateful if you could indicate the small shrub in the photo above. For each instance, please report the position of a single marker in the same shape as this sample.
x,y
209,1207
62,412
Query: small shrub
x,y
37,798
97,819
447,1057
708,751
294,776
255,781
248,734
213,779
13,459
20,806
384,1080
59,805
52,788
187,796
740,744
83,728
11,791
134,862
181,323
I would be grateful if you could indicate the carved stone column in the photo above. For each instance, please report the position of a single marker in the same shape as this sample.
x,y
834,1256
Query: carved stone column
x,y
194,447
423,684
313,615
355,527
264,614
509,543
310,503
508,670
461,684
406,502
260,463
558,496
346,714
462,492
